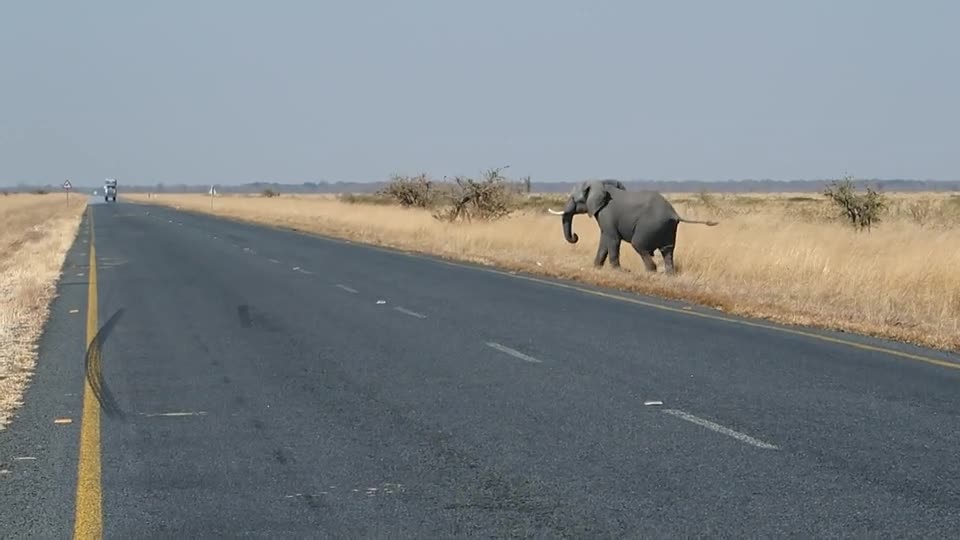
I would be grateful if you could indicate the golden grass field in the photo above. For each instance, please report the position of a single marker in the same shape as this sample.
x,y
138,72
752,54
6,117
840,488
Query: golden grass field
x,y
35,233
785,258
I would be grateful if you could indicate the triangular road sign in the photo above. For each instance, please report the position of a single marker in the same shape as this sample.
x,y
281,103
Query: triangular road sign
x,y
67,184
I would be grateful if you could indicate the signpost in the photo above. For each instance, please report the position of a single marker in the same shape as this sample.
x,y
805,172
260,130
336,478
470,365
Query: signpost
x,y
213,193
67,186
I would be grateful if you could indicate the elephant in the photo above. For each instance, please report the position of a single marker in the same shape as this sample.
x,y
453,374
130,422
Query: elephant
x,y
645,219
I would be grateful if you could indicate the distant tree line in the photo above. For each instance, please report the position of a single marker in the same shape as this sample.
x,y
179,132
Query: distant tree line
x,y
689,186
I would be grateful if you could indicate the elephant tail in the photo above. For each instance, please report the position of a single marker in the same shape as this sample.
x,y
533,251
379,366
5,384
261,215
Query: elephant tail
x,y
707,223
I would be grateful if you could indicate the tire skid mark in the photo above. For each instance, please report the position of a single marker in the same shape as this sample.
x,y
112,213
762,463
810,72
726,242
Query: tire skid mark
x,y
93,364
243,313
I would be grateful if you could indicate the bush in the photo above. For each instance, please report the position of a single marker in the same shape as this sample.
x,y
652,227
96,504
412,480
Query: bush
x,y
487,199
861,210
364,198
414,192
269,193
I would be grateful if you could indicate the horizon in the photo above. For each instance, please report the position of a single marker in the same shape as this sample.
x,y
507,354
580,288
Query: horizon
x,y
721,186
239,93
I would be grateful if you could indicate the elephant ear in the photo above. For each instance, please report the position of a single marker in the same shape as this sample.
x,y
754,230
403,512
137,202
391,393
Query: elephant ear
x,y
597,198
619,185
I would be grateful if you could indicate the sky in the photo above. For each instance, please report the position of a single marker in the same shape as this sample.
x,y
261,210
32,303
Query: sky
x,y
236,91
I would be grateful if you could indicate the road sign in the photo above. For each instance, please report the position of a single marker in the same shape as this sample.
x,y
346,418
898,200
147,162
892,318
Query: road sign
x,y
67,184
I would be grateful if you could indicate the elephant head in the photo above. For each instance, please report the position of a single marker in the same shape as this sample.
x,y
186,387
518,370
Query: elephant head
x,y
589,197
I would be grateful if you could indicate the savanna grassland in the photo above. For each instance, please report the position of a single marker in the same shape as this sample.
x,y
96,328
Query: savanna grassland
x,y
35,233
792,258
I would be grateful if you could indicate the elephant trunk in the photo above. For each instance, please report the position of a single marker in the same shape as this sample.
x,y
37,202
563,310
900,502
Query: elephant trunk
x,y
567,219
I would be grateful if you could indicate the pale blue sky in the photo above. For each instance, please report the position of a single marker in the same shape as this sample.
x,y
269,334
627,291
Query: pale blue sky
x,y
230,91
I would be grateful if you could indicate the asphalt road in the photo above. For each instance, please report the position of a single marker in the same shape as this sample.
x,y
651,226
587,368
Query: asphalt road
x,y
267,383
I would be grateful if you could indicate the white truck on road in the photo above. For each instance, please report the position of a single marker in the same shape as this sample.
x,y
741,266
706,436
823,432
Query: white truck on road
x,y
110,190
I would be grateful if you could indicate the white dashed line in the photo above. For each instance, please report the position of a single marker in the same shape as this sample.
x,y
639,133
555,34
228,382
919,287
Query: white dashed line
x,y
274,261
406,311
302,271
512,352
168,414
720,429
348,289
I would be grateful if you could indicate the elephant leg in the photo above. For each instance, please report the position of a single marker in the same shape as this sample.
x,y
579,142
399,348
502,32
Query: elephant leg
x,y
613,246
646,254
601,253
667,252
648,261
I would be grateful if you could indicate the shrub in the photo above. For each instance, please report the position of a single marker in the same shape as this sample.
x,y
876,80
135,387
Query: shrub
x,y
861,210
415,192
364,198
487,199
268,193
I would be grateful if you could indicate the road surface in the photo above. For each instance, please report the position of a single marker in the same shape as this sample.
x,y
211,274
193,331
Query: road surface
x,y
257,382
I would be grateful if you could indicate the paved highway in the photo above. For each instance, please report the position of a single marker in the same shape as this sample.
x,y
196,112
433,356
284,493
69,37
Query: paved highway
x,y
266,383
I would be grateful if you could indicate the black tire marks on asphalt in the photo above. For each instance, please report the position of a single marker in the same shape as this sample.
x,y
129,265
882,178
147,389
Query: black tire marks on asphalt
x,y
243,312
250,318
93,367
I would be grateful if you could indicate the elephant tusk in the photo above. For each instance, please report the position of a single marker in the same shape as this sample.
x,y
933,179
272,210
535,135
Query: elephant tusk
x,y
554,212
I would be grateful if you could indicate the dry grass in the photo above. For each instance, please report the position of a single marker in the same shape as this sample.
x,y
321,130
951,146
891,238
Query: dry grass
x,y
35,233
783,257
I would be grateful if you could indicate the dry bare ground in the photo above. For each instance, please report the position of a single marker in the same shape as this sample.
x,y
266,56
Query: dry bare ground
x,y
786,258
35,233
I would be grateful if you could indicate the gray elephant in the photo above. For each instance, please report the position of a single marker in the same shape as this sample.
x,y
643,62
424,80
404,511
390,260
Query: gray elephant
x,y
645,219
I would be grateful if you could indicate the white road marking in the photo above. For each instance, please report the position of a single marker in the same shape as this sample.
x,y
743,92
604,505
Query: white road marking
x,y
410,313
274,261
302,271
25,458
653,402
348,289
183,413
512,352
720,429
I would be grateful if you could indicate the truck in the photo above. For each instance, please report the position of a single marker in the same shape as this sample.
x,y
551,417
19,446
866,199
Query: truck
x,y
110,190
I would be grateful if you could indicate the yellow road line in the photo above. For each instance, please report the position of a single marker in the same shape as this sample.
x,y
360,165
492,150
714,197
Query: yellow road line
x,y
88,516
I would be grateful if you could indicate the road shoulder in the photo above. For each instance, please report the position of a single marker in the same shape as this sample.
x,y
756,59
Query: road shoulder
x,y
38,450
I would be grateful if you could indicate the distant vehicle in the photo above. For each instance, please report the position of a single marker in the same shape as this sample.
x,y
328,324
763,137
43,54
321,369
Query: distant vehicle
x,y
110,190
